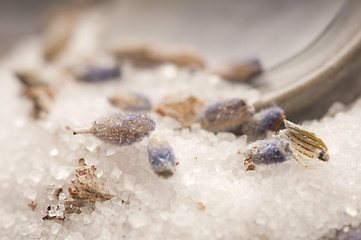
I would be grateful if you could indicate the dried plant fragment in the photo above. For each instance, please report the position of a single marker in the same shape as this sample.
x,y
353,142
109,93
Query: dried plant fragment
x,y
184,59
240,71
306,145
200,206
145,56
225,115
161,157
130,101
120,128
31,78
32,204
42,98
87,189
142,56
37,90
184,111
57,35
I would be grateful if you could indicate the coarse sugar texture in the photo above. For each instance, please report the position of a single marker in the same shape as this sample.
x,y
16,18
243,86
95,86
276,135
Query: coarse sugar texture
x,y
210,196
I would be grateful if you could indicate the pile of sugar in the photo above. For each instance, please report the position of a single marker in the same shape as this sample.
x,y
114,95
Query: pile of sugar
x,y
211,196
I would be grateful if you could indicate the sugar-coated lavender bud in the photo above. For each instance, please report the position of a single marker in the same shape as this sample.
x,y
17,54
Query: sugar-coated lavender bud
x,y
130,101
120,128
239,71
161,157
269,151
98,74
225,115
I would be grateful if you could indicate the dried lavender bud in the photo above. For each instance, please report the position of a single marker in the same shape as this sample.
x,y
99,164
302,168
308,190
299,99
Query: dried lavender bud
x,y
240,71
184,59
268,151
225,115
184,111
120,128
306,145
148,56
129,101
138,55
266,120
161,157
98,74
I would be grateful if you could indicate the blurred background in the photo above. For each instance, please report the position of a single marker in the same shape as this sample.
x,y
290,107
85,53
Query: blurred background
x,y
227,29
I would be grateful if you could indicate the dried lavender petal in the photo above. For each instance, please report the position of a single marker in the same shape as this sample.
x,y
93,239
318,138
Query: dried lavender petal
x,y
269,151
161,157
130,101
225,115
121,128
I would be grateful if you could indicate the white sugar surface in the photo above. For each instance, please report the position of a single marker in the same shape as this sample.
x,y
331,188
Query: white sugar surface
x,y
211,196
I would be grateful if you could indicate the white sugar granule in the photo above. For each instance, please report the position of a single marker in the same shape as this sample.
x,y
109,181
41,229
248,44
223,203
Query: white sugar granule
x,y
211,196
